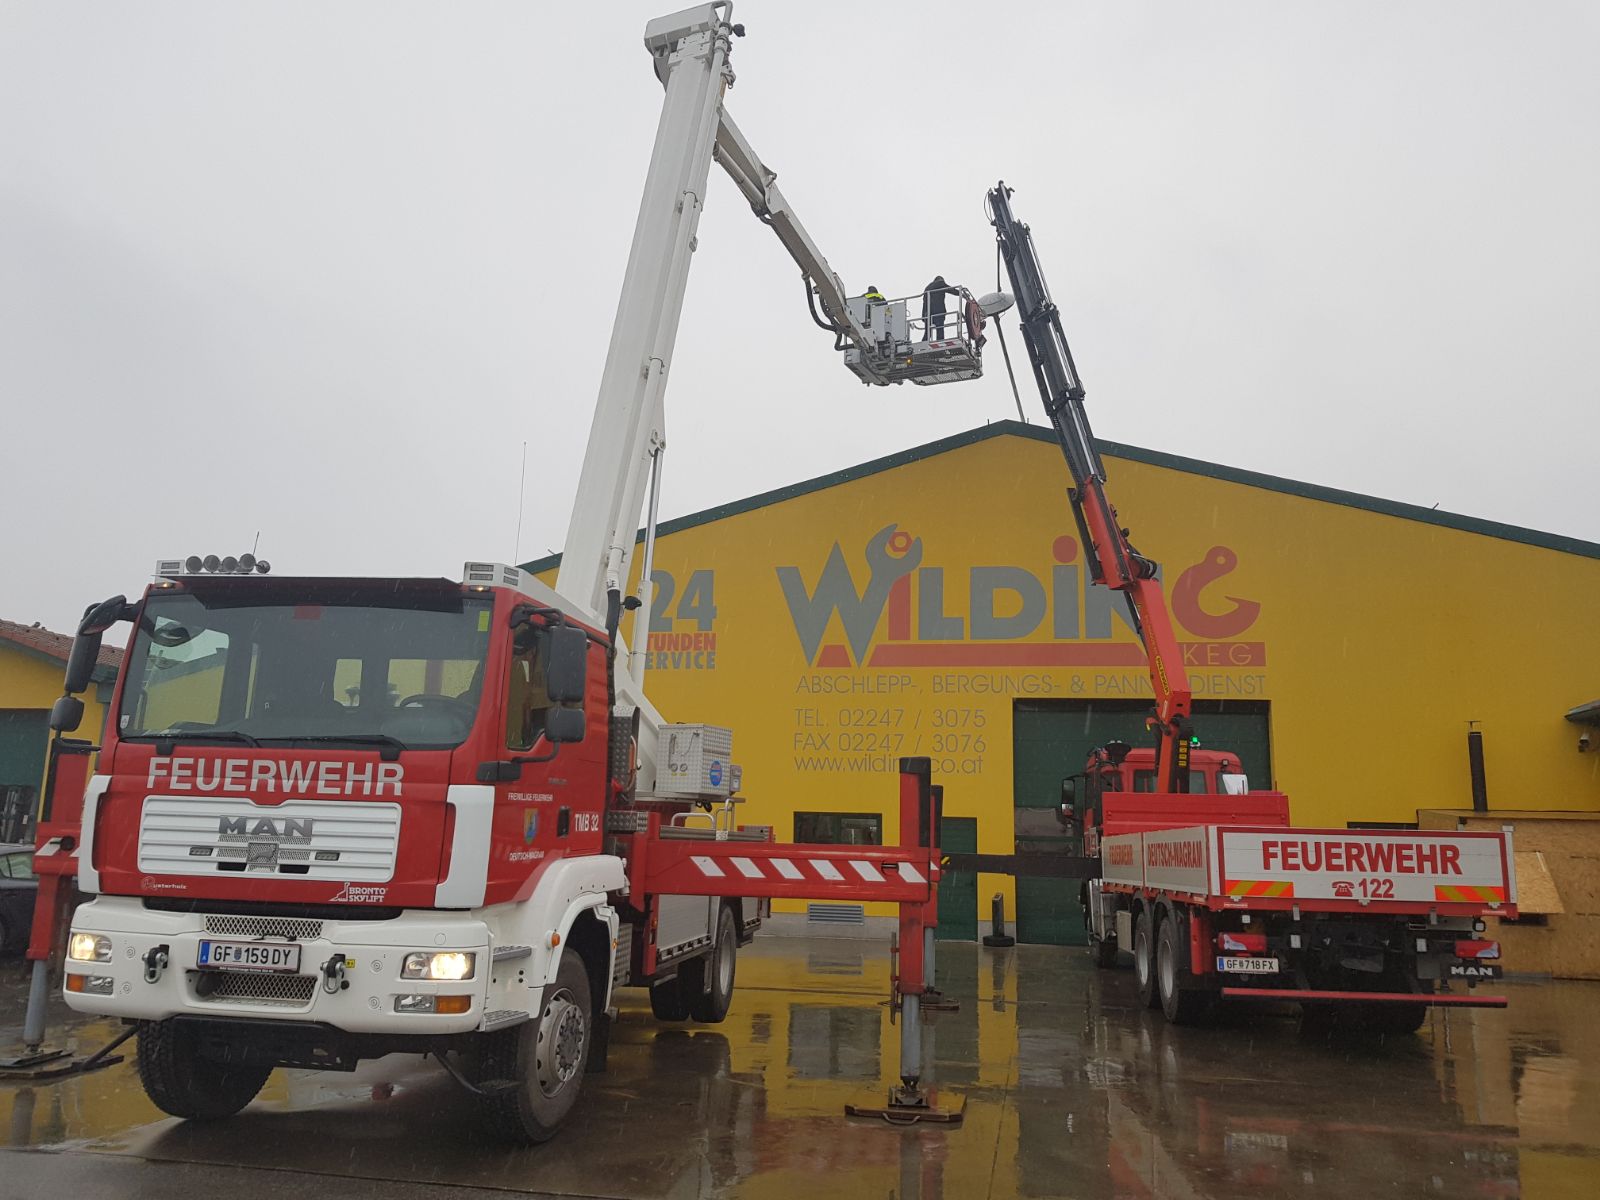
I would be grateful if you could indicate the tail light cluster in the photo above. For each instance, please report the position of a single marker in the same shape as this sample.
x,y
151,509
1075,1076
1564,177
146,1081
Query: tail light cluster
x,y
1477,949
1241,943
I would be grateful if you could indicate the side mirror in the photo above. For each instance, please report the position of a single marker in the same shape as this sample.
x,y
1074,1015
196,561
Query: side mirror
x,y
1066,813
567,672
104,615
563,725
85,651
67,714
81,660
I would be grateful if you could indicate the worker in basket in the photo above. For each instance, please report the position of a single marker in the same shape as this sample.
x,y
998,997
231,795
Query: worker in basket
x,y
935,305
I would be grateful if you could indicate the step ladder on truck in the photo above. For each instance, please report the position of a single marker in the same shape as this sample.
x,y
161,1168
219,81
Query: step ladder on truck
x,y
1204,882
339,818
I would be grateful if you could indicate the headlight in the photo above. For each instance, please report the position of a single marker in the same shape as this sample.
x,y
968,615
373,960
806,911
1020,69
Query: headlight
x,y
443,964
89,947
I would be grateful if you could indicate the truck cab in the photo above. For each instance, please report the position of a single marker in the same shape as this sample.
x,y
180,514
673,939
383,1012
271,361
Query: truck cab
x,y
1117,767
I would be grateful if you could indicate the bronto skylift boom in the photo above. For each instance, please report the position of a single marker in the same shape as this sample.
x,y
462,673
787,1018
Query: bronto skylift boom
x,y
881,340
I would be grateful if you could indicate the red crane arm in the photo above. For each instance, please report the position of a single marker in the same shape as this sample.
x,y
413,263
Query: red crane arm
x,y
1112,559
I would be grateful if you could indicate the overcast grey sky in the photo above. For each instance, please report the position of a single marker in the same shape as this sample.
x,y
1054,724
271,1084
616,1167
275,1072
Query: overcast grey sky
x,y
319,269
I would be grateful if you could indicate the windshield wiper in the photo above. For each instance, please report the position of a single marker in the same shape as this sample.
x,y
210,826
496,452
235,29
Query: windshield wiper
x,y
167,736
390,746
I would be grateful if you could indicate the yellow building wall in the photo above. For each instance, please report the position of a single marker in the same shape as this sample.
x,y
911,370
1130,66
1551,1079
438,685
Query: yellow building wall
x,y
30,681
1376,639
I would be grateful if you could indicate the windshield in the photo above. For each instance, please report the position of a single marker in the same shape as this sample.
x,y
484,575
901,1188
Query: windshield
x,y
1145,781
398,668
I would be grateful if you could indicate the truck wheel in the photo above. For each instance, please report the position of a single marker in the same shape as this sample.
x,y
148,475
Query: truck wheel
x,y
181,1082
667,1000
1144,966
542,1059
1318,1019
710,1007
1180,1005
1396,1018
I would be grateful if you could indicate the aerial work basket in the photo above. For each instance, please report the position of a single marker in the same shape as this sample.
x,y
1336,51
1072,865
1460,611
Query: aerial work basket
x,y
912,341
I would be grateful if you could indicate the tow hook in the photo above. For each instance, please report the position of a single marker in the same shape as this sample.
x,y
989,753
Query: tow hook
x,y
155,962
333,980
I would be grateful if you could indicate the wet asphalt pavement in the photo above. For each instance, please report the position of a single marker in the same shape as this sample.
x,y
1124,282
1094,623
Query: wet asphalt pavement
x,y
1071,1089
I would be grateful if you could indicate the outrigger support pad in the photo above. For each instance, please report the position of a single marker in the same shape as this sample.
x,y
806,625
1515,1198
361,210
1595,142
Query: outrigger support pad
x,y
911,1103
46,1066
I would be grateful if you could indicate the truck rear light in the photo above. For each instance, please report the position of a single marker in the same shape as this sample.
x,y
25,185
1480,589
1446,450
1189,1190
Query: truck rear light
x,y
1242,943
1477,948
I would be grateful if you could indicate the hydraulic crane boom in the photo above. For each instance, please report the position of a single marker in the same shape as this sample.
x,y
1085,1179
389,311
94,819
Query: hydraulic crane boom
x,y
1112,559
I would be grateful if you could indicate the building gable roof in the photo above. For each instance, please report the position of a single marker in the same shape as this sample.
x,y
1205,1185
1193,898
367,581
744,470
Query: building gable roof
x,y
1155,458
49,644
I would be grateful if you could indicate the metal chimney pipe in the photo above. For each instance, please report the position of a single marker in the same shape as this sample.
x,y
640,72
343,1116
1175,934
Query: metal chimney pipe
x,y
1480,786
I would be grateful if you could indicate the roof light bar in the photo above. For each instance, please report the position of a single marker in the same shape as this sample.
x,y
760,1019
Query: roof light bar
x,y
245,564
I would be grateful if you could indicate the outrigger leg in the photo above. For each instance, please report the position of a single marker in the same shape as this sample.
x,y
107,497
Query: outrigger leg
x,y
56,865
911,1102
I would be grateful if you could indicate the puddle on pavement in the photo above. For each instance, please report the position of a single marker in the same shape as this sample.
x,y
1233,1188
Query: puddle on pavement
x,y
1071,1090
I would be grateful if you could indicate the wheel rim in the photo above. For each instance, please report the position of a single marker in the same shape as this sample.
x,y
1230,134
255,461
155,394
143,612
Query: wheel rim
x,y
563,1029
1141,955
724,964
1167,970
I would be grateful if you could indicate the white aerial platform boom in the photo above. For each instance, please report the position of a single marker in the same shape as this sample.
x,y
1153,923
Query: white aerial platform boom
x,y
883,344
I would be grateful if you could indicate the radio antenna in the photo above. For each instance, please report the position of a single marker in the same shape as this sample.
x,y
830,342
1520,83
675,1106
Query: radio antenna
x,y
522,485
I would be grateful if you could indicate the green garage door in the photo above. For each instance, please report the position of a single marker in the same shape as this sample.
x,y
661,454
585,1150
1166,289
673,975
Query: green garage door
x,y
24,741
958,890
1051,740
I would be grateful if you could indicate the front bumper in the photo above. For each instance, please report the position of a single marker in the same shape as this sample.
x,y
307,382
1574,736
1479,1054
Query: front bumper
x,y
358,996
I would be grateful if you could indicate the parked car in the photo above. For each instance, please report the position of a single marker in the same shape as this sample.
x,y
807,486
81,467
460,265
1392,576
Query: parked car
x,y
19,888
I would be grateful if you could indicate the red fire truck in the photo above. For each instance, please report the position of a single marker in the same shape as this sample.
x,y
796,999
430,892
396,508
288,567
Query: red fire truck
x,y
339,818
1204,881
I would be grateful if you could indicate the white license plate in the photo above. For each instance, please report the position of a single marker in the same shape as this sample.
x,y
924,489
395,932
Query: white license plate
x,y
249,956
1238,965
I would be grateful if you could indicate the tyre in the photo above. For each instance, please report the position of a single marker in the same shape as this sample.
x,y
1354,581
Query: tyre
x,y
542,1060
181,1082
1105,953
1180,1005
710,1006
1144,966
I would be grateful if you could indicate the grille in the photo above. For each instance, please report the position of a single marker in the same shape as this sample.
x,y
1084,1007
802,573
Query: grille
x,y
337,841
295,928
235,987
837,914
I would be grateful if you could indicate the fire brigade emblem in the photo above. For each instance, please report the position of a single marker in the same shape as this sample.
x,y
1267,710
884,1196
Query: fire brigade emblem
x,y
530,824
